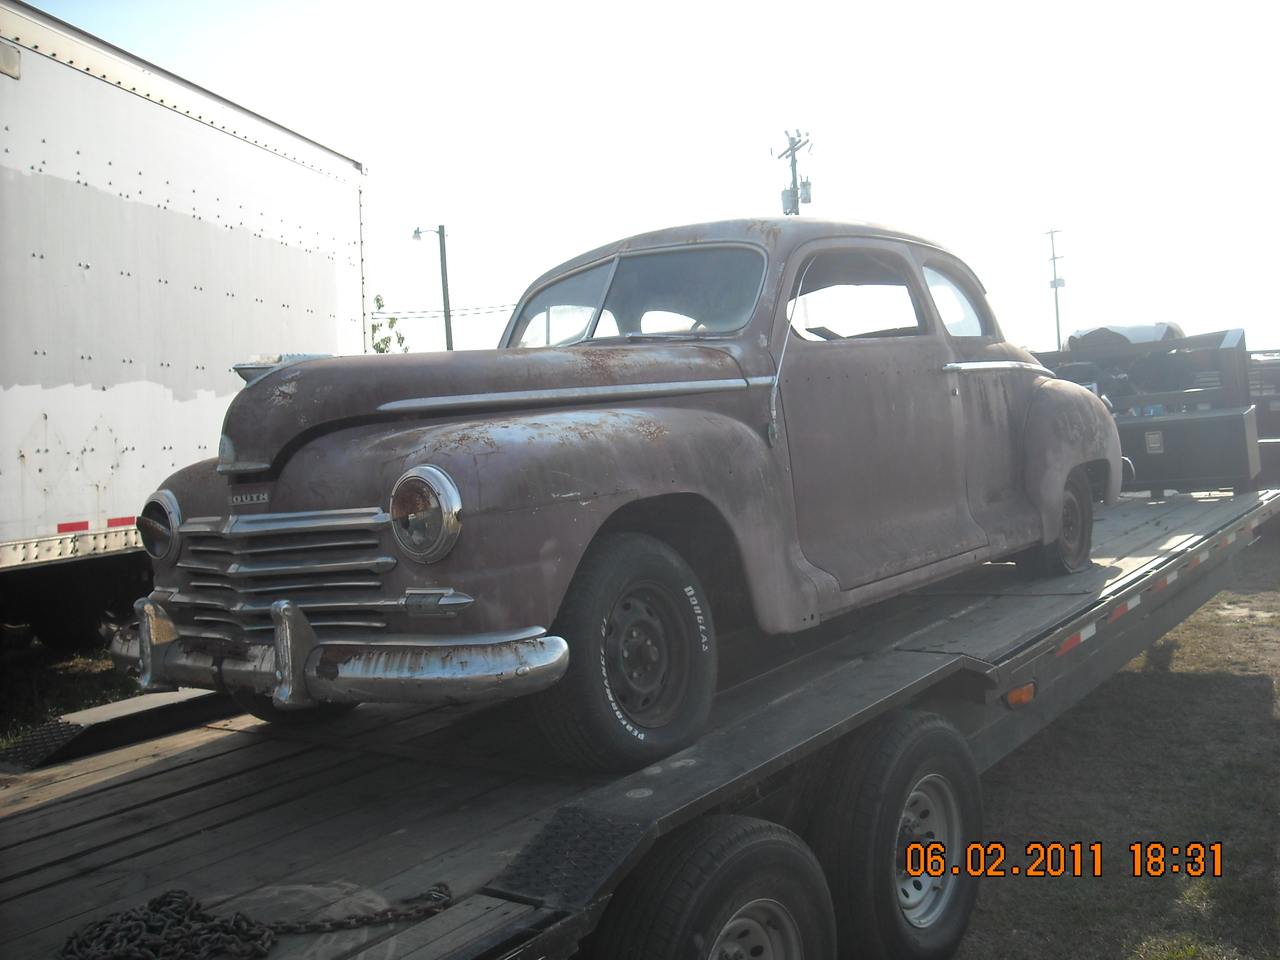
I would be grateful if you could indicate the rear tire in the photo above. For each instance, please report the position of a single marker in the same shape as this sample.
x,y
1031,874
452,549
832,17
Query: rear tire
x,y
1069,551
642,658
721,888
907,778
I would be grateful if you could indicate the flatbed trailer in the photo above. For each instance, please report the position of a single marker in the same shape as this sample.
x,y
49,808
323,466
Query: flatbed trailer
x,y
356,814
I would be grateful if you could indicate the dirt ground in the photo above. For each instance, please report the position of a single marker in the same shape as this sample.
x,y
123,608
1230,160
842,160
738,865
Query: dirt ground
x,y
1181,747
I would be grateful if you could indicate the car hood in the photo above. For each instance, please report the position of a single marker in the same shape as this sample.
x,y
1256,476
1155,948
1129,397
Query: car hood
x,y
287,405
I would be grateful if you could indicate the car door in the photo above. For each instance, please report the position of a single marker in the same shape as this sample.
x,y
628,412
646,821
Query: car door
x,y
873,429
995,381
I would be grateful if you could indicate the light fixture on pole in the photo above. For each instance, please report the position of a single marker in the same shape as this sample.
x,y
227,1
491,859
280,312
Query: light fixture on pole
x,y
444,282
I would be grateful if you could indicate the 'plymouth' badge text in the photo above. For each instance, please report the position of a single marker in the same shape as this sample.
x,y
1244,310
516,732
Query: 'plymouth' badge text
x,y
239,499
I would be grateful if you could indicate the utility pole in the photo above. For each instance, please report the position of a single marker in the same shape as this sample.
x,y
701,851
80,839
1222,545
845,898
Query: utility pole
x,y
444,282
1056,283
800,191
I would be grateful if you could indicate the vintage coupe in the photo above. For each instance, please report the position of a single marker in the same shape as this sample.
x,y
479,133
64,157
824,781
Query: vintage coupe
x,y
768,419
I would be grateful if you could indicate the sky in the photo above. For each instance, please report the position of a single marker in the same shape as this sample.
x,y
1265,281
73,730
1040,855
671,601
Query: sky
x,y
1145,132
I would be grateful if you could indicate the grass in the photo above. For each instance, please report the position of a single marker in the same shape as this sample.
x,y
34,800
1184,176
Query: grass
x,y
1182,745
37,685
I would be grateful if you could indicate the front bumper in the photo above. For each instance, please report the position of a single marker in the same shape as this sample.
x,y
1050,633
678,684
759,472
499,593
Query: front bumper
x,y
297,670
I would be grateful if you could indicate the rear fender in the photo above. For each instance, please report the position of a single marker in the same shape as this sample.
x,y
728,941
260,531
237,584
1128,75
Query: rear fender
x,y
1067,426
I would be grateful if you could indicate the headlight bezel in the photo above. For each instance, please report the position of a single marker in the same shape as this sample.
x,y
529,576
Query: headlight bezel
x,y
450,502
168,503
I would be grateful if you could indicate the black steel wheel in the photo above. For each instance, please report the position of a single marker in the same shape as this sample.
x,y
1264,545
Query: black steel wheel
x,y
642,657
1069,551
260,706
721,888
907,779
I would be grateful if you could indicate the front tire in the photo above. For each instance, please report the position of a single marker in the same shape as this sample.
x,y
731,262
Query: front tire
x,y
721,888
642,657
908,778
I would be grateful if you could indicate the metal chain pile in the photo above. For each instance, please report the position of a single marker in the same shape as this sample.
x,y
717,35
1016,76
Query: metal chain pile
x,y
174,927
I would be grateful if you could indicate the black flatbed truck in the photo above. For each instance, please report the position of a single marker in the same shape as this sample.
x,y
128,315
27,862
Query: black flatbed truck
x,y
358,813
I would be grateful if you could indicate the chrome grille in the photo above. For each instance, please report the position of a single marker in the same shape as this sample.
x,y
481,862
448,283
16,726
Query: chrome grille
x,y
231,569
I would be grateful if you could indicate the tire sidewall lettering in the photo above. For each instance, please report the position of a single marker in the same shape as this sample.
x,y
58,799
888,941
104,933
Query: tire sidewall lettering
x,y
699,618
627,725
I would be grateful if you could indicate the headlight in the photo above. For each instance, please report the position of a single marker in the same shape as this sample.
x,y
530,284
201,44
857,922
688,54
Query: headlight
x,y
424,513
158,523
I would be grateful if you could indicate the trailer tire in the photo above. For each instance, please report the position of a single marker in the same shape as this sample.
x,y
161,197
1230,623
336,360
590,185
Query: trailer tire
x,y
642,657
908,777
721,886
1069,550
260,706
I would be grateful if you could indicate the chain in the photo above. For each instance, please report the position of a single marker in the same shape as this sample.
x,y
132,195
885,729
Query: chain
x,y
174,927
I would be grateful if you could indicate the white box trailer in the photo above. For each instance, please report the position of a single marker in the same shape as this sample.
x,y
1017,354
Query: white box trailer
x,y
152,235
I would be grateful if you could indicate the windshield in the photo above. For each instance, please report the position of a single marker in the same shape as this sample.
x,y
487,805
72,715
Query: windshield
x,y
690,291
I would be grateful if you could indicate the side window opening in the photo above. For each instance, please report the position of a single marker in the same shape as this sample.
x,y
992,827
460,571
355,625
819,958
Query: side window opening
x,y
844,294
955,307
562,312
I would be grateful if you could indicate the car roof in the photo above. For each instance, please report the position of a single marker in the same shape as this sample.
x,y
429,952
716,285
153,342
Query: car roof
x,y
778,235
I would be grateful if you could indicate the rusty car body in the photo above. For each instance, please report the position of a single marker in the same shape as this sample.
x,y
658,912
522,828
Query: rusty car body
x,y
779,418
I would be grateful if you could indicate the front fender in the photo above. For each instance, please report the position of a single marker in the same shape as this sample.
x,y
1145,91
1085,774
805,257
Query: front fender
x,y
537,487
1066,426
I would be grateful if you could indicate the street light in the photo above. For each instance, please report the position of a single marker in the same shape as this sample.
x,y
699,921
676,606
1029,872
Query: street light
x,y
444,282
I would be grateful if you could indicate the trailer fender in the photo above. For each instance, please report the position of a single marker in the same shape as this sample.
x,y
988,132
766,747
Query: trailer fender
x,y
1066,427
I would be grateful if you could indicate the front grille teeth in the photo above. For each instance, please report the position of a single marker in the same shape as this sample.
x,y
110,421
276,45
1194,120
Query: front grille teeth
x,y
330,563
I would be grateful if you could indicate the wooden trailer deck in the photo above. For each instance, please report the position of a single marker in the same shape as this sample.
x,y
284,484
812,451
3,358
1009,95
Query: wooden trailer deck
x,y
356,814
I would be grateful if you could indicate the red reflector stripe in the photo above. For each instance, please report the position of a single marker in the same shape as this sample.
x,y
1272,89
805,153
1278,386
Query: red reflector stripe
x,y
1160,586
1076,639
1118,612
121,521
73,527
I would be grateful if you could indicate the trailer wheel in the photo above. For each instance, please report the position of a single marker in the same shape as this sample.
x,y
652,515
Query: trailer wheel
x,y
260,706
642,657
721,888
1069,552
909,778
